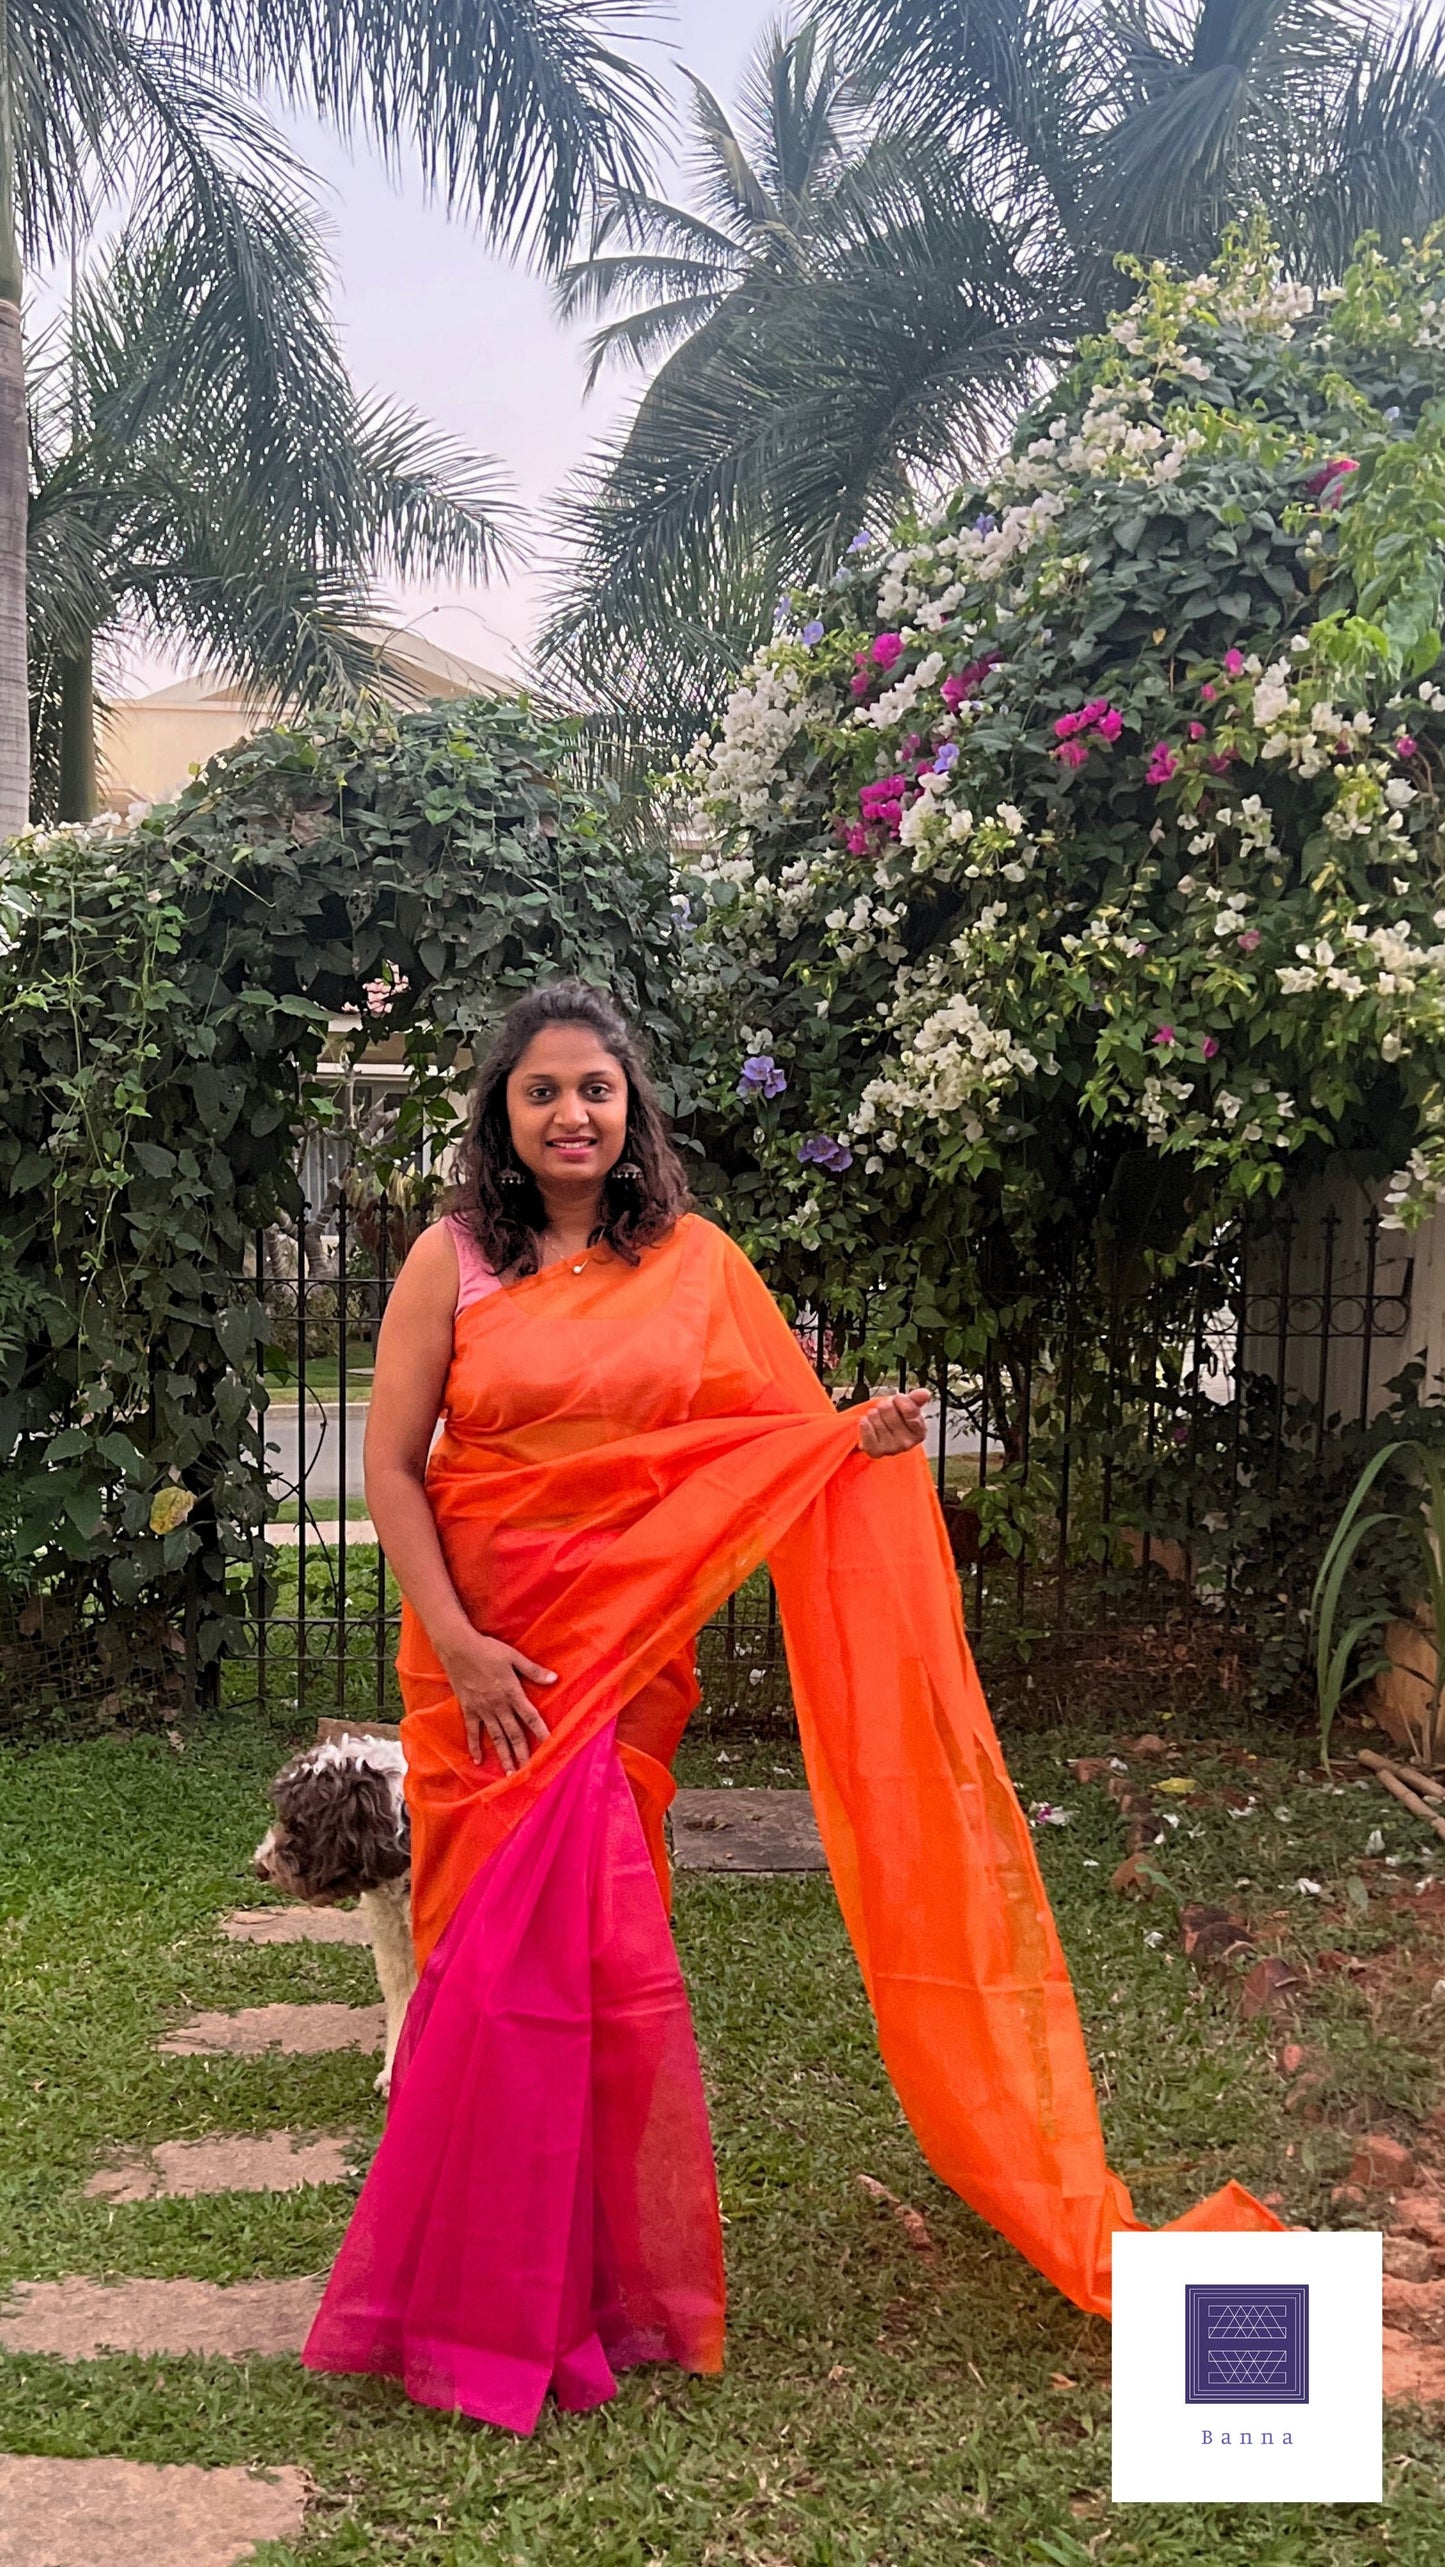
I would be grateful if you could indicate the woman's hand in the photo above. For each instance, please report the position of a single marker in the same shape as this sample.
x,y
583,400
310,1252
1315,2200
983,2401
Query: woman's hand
x,y
895,1425
485,1675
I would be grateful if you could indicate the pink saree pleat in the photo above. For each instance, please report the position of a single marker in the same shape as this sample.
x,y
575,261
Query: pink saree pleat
x,y
542,2210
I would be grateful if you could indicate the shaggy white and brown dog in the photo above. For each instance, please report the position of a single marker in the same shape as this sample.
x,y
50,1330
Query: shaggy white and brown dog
x,y
341,1831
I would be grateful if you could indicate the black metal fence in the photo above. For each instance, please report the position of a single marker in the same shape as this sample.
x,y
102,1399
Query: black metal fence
x,y
1106,1457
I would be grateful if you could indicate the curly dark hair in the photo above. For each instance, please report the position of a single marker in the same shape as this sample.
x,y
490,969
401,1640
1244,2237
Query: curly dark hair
x,y
506,1219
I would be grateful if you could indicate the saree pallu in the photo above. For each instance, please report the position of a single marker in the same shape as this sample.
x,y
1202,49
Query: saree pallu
x,y
622,1447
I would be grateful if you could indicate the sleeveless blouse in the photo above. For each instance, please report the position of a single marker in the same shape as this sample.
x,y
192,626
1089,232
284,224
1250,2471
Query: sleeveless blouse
x,y
475,1278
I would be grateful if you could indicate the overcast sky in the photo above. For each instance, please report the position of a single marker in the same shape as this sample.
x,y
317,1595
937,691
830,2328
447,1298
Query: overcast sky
x,y
428,316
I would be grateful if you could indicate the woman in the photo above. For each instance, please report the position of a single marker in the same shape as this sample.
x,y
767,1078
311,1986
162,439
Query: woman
x,y
629,1428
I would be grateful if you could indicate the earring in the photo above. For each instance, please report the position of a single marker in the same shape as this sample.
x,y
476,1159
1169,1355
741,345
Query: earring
x,y
628,1172
512,1176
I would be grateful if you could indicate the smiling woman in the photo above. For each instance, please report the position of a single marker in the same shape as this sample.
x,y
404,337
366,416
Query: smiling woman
x,y
629,1427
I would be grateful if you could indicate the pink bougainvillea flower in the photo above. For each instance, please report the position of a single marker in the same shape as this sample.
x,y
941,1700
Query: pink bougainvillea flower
x,y
1164,1037
1196,730
1249,941
1208,692
1329,483
1405,747
1162,765
1220,761
886,650
1099,716
1209,1047
857,840
961,683
1234,663
857,686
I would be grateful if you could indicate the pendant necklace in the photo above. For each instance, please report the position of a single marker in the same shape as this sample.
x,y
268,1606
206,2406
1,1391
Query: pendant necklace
x,y
564,1259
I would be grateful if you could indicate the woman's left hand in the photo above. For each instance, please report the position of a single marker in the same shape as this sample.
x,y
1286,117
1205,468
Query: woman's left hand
x,y
895,1425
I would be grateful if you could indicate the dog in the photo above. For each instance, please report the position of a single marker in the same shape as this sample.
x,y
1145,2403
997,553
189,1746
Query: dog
x,y
341,1831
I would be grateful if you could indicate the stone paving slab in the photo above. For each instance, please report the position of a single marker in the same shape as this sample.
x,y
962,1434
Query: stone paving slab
x,y
303,2031
130,2513
76,2320
745,1831
295,1925
179,2169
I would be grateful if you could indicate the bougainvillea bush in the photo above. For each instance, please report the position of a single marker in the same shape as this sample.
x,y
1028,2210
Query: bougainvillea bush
x,y
1073,860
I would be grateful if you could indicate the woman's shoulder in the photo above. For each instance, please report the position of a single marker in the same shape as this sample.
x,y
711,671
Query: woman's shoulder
x,y
431,1264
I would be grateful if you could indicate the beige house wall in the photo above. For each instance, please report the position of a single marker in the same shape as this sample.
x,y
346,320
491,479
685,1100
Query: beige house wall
x,y
149,745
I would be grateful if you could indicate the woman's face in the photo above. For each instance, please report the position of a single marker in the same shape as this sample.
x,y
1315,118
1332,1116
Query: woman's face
x,y
567,1106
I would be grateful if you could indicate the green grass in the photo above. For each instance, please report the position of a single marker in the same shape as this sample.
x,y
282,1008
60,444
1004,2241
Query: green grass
x,y
323,1510
877,2410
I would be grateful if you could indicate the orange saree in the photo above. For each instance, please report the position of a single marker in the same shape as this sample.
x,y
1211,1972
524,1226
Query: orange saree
x,y
622,1447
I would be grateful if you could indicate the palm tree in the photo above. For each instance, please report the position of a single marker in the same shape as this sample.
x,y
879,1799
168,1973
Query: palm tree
x,y
165,495
970,172
520,112
845,316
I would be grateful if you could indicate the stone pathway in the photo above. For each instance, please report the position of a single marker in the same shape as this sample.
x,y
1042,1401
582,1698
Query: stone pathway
x,y
179,2169
302,2031
295,1925
745,1831
126,2513
76,2320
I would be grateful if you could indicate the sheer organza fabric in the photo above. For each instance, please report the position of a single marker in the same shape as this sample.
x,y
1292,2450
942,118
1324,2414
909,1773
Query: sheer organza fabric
x,y
622,1447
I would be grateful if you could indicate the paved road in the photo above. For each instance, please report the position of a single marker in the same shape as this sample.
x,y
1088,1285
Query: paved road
x,y
323,1451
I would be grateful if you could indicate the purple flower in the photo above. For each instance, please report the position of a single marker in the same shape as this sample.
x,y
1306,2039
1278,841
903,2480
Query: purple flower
x,y
1180,1431
860,542
1405,747
761,1076
814,631
1249,942
947,757
819,1151
985,522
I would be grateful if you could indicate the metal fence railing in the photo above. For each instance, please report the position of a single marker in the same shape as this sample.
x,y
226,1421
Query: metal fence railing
x,y
1102,1452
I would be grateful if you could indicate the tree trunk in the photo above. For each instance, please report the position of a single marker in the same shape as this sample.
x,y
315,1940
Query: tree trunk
x,y
14,488
77,735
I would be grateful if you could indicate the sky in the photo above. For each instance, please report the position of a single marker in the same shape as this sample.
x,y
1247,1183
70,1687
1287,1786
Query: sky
x,y
430,317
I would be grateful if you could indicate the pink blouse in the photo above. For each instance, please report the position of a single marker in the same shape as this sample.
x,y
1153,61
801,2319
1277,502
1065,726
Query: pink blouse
x,y
475,1278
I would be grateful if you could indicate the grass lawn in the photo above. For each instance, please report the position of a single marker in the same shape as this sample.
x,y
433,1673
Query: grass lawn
x,y
881,2408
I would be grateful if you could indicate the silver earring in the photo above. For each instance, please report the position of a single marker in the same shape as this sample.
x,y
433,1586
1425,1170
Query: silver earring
x,y
512,1176
628,1172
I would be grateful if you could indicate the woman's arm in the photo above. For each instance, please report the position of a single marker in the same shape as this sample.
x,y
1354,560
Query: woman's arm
x,y
413,1356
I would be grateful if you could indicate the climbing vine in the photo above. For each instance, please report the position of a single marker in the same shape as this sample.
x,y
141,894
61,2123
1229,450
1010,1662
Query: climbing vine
x,y
166,990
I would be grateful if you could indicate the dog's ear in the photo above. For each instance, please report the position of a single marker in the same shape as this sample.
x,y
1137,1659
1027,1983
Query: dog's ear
x,y
339,1831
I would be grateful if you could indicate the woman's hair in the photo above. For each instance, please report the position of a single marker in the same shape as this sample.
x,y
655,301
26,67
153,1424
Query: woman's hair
x,y
505,1217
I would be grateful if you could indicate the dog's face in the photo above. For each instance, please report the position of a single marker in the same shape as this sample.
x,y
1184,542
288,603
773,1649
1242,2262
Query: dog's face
x,y
340,1824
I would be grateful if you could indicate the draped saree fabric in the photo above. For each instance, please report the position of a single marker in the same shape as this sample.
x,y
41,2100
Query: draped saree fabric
x,y
622,1447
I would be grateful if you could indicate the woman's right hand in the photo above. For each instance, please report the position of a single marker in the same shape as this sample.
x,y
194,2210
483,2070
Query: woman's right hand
x,y
486,1677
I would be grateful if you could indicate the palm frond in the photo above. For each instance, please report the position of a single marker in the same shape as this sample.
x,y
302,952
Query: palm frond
x,y
521,113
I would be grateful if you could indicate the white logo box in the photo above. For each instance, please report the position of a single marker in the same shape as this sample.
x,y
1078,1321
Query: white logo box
x,y
1247,2367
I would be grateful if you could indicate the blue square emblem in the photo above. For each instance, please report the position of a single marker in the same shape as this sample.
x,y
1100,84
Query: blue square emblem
x,y
1247,2344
